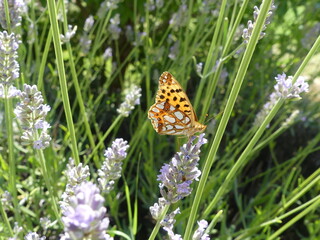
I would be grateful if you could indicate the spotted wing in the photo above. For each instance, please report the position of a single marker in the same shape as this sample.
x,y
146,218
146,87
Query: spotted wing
x,y
170,90
168,120
173,114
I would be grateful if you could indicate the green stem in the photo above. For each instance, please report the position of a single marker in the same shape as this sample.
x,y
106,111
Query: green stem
x,y
209,61
243,157
76,83
44,61
5,219
11,157
157,226
101,141
226,115
62,77
312,207
7,13
49,186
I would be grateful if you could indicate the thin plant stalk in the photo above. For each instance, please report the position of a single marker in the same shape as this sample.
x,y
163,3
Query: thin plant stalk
x,y
11,157
226,115
62,78
243,157
101,141
7,13
312,207
76,83
49,185
157,226
5,219
209,61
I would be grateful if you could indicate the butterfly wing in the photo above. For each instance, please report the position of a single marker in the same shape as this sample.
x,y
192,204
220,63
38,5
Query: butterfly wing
x,y
173,114
168,120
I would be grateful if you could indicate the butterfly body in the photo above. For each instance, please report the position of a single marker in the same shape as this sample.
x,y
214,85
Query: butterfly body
x,y
173,114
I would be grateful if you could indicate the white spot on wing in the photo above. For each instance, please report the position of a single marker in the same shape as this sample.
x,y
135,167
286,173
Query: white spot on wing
x,y
186,120
179,115
169,119
155,110
170,132
160,105
179,126
169,127
151,114
172,108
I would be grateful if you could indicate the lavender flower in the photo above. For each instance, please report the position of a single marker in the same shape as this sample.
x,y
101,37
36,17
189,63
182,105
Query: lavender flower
x,y
157,209
76,175
200,234
8,58
88,24
114,27
107,5
199,67
33,236
85,216
153,4
45,222
6,199
69,34
265,109
167,224
207,7
131,99
159,3
85,43
286,89
11,92
180,18
140,39
16,230
247,32
107,53
174,50
290,120
112,166
32,112
177,176
16,9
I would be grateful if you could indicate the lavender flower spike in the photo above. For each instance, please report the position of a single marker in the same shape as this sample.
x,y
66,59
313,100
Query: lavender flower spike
x,y
247,32
131,99
112,166
33,236
16,9
8,58
32,112
76,175
177,176
200,234
157,209
167,224
85,217
286,89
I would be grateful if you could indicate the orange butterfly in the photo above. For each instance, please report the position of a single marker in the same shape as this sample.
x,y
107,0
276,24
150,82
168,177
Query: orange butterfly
x,y
173,114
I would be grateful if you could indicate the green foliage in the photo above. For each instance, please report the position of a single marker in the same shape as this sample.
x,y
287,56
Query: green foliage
x,y
258,182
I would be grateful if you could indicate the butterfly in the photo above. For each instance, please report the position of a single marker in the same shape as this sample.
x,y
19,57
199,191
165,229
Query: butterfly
x,y
173,114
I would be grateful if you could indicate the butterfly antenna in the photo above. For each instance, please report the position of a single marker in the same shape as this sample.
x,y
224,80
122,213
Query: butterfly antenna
x,y
217,116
